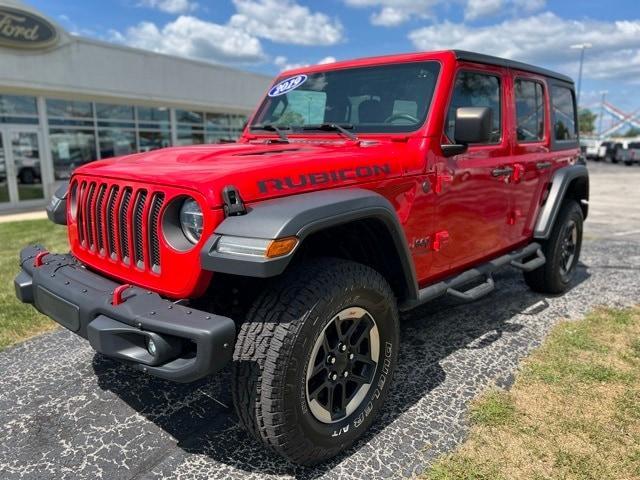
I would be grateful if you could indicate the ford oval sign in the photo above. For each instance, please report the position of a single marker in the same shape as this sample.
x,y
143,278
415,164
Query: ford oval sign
x,y
19,28
287,85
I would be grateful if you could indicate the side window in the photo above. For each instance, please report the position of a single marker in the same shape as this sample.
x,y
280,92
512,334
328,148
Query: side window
x,y
529,110
476,90
564,114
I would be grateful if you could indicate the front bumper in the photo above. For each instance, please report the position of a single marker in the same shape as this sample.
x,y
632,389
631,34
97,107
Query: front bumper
x,y
190,344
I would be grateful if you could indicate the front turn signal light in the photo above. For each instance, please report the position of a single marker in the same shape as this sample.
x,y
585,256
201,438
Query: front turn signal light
x,y
281,247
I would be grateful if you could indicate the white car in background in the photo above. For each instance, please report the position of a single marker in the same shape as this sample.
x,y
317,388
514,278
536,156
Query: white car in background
x,y
592,149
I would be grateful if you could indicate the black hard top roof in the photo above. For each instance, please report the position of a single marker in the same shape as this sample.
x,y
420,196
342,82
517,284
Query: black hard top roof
x,y
503,62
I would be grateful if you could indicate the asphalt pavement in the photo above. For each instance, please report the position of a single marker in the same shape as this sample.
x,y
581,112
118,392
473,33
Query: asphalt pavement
x,y
68,413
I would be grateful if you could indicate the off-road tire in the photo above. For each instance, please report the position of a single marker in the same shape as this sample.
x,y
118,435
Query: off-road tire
x,y
274,346
550,278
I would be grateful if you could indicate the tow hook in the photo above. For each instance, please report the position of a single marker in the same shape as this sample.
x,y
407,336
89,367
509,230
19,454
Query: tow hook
x,y
118,293
38,260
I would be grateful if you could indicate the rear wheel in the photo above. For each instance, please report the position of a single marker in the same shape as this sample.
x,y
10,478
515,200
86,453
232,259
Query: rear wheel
x,y
314,360
562,251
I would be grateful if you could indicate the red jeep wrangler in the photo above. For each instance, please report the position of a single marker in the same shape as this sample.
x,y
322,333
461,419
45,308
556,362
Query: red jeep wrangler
x,y
358,189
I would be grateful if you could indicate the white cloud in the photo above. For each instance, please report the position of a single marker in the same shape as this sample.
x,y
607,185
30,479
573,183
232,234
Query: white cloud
x,y
284,21
545,39
170,6
482,8
283,64
389,17
188,36
476,9
391,13
529,6
326,60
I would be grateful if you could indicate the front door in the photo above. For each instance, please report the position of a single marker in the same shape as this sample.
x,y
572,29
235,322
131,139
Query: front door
x,y
21,172
473,200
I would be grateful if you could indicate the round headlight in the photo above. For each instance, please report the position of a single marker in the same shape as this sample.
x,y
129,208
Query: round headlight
x,y
191,220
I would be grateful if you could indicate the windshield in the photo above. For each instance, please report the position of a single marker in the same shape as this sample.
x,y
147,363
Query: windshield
x,y
385,98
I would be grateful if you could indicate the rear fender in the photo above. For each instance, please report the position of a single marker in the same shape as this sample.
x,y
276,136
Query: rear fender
x,y
567,182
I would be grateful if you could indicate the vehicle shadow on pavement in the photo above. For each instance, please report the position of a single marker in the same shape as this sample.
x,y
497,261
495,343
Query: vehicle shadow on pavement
x,y
200,415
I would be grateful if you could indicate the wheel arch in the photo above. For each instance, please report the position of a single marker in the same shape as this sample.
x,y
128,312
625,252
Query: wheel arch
x,y
570,182
316,219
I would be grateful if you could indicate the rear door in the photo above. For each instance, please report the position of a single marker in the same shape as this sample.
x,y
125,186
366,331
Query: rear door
x,y
532,160
472,201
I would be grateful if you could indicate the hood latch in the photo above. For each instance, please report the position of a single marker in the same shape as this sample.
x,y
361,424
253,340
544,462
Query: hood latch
x,y
233,204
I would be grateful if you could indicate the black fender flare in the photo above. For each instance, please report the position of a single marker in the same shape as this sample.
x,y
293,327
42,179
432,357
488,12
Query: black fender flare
x,y
561,183
300,216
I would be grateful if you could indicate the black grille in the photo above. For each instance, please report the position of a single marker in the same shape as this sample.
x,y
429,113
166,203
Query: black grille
x,y
111,220
138,219
121,222
154,220
89,217
99,220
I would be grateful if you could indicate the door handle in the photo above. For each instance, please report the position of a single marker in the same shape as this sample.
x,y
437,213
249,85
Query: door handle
x,y
500,172
543,165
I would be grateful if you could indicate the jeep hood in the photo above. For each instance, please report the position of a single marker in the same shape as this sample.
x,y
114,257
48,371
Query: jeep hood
x,y
259,171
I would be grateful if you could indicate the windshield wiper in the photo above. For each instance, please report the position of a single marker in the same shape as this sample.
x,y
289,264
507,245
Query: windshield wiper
x,y
272,128
339,127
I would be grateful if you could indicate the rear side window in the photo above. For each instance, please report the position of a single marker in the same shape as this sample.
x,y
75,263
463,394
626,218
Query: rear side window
x,y
529,110
476,90
565,126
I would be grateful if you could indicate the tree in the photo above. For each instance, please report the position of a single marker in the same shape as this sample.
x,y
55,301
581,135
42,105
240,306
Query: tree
x,y
632,132
587,121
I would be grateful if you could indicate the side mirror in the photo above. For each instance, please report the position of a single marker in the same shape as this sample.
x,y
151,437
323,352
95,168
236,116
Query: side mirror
x,y
473,125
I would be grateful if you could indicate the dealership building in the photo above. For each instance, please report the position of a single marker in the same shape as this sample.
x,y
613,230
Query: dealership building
x,y
67,100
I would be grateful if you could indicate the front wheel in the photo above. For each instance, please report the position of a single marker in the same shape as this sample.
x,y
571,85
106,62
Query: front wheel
x,y
314,360
562,251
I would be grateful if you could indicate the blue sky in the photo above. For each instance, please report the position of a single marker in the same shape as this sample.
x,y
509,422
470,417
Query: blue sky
x,y
269,35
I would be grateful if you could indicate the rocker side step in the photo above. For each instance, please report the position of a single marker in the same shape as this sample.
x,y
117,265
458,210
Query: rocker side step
x,y
451,285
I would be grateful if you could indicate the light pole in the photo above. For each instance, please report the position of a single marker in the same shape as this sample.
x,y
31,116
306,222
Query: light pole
x,y
582,47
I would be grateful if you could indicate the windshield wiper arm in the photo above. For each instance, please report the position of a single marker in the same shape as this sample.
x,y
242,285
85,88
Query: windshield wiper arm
x,y
340,127
272,128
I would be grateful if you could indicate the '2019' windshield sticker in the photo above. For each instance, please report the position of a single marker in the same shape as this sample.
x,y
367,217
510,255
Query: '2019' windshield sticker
x,y
287,85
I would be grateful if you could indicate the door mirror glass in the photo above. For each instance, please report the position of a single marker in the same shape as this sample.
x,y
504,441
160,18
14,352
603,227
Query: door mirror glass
x,y
473,125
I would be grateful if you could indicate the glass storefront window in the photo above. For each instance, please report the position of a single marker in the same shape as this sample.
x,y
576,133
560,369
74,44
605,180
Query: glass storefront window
x,y
152,114
18,109
116,142
71,148
115,112
69,109
18,105
187,116
190,137
152,140
223,127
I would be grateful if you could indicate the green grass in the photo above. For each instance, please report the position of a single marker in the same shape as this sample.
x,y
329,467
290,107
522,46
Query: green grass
x,y
573,412
496,409
18,321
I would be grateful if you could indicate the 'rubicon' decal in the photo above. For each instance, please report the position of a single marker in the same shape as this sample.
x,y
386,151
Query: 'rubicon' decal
x,y
319,178
287,85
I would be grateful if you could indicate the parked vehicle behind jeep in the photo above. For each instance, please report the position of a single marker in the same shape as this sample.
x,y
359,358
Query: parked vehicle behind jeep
x,y
357,191
592,149
631,154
